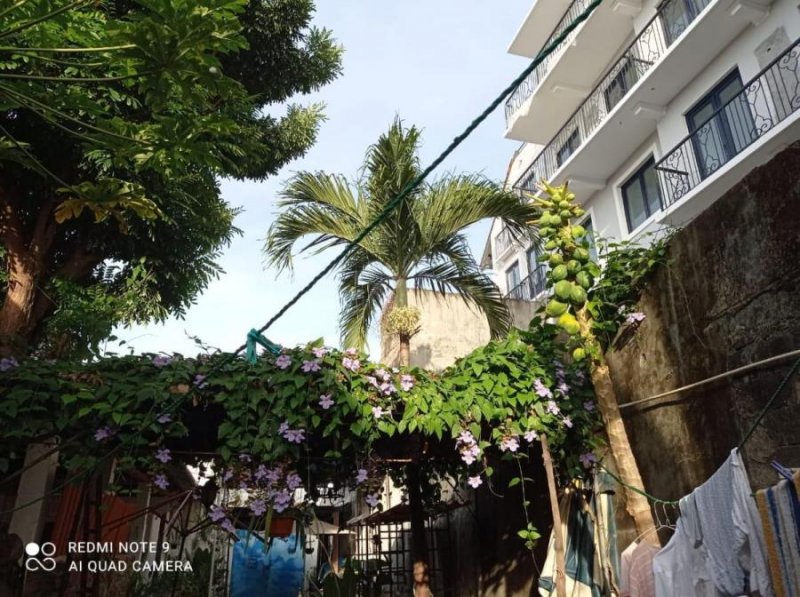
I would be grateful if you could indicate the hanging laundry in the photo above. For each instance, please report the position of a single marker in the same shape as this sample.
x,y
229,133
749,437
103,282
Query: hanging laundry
x,y
778,509
718,548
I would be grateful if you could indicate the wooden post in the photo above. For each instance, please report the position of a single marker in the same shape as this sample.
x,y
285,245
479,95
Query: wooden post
x,y
558,538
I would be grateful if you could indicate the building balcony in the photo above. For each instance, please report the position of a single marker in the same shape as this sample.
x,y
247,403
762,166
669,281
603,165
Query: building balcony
x,y
763,116
556,86
622,110
531,287
503,242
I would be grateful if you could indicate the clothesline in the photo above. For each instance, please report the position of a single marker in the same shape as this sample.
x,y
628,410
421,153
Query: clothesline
x,y
731,373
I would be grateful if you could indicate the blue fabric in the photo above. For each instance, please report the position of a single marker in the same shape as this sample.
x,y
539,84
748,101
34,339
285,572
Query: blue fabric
x,y
277,571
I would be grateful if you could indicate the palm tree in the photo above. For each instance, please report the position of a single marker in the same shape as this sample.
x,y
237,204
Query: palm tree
x,y
421,242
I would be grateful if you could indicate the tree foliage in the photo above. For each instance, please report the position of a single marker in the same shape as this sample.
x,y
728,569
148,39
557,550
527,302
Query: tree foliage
x,y
421,242
117,118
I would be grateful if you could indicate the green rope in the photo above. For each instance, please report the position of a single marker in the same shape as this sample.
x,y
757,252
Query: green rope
x,y
640,491
769,404
391,206
253,339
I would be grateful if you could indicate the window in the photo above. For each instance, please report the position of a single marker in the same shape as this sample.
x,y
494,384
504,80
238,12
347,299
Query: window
x,y
641,195
512,277
537,272
568,148
677,15
721,125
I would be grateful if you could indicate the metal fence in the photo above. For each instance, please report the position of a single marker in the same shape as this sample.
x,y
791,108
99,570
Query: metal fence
x,y
639,57
531,82
503,241
532,286
762,103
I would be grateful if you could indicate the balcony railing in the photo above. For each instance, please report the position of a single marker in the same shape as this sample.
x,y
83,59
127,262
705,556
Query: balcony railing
x,y
530,287
503,241
669,23
762,104
531,82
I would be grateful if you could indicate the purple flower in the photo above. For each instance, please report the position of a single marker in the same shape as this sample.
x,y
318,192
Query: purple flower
x,y
160,481
475,481
273,475
531,436
588,406
377,412
588,459
293,481
227,476
372,500
361,476
200,381
635,318
388,388
283,361
258,507
244,457
552,407
567,422
216,514
228,526
542,390
325,401
563,388
320,352
470,453
163,455
295,436
283,428
8,364
103,433
407,382
161,360
261,473
310,366
281,500
509,443
351,352
165,418
351,364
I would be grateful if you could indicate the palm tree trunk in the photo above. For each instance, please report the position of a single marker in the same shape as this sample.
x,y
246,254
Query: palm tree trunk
x,y
619,444
419,544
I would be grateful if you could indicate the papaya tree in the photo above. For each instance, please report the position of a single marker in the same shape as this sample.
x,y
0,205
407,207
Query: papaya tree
x,y
572,274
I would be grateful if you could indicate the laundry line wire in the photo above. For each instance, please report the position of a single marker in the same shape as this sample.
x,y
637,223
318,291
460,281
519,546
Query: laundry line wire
x,y
697,384
760,417
390,206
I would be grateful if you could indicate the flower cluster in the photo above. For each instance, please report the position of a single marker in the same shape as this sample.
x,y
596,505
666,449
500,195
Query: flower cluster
x,y
8,363
468,447
284,361
161,361
509,443
293,436
635,318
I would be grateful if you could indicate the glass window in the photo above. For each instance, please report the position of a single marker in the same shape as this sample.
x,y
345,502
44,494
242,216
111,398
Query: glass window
x,y
568,148
620,84
641,195
589,227
513,277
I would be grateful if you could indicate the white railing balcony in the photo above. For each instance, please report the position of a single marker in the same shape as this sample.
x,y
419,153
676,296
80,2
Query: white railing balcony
x,y
638,59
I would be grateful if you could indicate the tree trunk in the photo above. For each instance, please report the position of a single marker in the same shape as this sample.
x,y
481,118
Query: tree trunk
x,y
419,545
15,314
619,444
558,537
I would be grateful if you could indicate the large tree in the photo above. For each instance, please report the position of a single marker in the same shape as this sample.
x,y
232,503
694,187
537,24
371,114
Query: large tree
x,y
421,242
117,119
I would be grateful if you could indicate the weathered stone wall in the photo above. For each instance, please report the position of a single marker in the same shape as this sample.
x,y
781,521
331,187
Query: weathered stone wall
x,y
729,297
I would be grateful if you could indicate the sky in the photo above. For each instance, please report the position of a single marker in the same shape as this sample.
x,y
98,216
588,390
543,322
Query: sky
x,y
435,63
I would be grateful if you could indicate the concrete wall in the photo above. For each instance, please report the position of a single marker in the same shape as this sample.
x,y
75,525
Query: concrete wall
x,y
730,297
449,329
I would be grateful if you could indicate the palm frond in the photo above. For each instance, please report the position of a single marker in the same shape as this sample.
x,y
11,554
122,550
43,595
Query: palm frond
x,y
473,286
361,302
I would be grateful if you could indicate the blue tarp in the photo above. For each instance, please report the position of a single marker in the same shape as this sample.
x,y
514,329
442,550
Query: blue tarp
x,y
276,572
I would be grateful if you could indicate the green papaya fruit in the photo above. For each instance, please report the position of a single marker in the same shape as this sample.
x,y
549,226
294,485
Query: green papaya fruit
x,y
563,289
556,259
568,322
579,354
556,308
584,279
573,266
559,272
577,295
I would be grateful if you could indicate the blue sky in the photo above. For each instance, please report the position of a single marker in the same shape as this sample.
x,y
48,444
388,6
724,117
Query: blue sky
x,y
436,64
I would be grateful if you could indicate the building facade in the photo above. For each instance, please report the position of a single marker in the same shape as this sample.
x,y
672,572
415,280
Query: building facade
x,y
651,110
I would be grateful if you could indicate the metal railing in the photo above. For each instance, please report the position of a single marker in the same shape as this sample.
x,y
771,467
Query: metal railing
x,y
503,241
764,102
531,82
636,61
532,286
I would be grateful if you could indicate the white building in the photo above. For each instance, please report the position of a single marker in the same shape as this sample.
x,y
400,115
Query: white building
x,y
650,109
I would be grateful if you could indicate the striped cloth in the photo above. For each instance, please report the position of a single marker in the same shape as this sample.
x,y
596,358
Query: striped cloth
x,y
779,510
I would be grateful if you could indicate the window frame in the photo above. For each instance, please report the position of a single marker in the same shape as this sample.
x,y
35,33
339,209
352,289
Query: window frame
x,y
572,143
638,176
